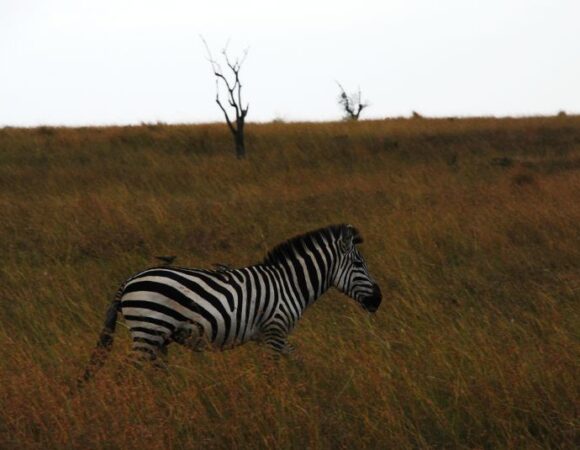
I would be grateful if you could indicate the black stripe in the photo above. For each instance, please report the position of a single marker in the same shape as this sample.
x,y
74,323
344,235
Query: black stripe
x,y
257,277
322,244
319,261
301,279
275,331
149,331
237,276
163,289
247,315
154,307
309,263
292,296
239,311
277,345
236,282
284,317
271,296
241,307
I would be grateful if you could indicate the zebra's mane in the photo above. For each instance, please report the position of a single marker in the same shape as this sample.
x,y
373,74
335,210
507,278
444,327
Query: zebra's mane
x,y
281,251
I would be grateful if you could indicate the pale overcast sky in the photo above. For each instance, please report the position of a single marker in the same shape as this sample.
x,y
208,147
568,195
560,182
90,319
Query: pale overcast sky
x,y
75,62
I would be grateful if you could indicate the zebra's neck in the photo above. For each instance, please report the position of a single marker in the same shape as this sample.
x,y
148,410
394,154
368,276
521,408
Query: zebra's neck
x,y
306,264
304,277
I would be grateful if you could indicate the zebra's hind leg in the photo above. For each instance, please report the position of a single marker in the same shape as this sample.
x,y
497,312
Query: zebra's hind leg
x,y
288,349
162,360
140,355
191,336
149,350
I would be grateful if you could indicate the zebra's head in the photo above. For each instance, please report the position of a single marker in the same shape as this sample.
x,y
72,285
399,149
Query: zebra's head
x,y
352,275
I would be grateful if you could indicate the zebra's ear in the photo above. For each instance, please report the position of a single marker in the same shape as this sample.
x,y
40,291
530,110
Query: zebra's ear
x,y
344,244
348,239
356,236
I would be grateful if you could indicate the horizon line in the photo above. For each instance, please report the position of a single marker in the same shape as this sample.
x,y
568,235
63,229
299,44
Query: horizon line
x,y
281,120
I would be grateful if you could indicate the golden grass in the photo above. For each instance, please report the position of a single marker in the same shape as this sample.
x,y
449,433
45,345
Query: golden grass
x,y
476,343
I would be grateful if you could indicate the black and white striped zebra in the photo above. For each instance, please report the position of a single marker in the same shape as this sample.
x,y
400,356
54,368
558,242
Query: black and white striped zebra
x,y
220,309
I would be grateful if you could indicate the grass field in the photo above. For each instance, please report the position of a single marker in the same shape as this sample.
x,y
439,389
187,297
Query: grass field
x,y
476,344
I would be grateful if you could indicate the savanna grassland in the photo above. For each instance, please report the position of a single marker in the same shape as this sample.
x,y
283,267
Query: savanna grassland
x,y
471,227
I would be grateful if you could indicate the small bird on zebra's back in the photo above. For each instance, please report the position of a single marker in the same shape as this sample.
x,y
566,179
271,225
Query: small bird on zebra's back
x,y
166,260
224,308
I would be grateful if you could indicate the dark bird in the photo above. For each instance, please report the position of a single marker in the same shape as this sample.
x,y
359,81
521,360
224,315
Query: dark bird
x,y
503,162
166,260
221,267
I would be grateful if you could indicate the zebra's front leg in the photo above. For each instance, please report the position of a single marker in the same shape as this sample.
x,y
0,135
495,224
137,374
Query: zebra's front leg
x,y
148,350
277,342
281,347
290,352
288,349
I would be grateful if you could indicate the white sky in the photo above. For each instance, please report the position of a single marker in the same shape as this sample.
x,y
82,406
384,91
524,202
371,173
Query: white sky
x,y
74,62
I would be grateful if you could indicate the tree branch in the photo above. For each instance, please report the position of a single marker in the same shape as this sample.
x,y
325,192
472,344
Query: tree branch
x,y
233,87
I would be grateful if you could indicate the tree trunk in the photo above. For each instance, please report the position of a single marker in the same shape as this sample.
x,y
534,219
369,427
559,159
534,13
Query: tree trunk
x,y
239,140
240,149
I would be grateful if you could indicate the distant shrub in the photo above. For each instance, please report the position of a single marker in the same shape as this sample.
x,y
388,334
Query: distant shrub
x,y
523,179
153,126
352,105
46,130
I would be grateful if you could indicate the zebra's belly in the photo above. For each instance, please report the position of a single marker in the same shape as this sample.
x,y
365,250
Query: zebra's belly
x,y
196,338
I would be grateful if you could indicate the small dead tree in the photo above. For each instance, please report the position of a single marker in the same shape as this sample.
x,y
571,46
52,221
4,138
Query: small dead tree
x,y
234,95
352,104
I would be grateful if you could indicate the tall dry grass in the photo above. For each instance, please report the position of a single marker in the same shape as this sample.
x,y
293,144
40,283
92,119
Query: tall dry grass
x,y
476,343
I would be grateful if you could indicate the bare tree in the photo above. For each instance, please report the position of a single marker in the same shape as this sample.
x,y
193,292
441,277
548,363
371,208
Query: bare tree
x,y
351,104
233,87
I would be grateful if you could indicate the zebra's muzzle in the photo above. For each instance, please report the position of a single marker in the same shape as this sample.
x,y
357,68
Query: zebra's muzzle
x,y
373,301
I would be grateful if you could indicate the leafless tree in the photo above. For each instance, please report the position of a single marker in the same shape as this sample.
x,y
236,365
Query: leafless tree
x,y
351,104
233,86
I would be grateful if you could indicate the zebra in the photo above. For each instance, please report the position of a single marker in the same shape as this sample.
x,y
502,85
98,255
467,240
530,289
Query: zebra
x,y
221,309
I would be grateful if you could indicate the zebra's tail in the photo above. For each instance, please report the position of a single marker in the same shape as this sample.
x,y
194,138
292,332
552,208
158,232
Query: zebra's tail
x,y
105,342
